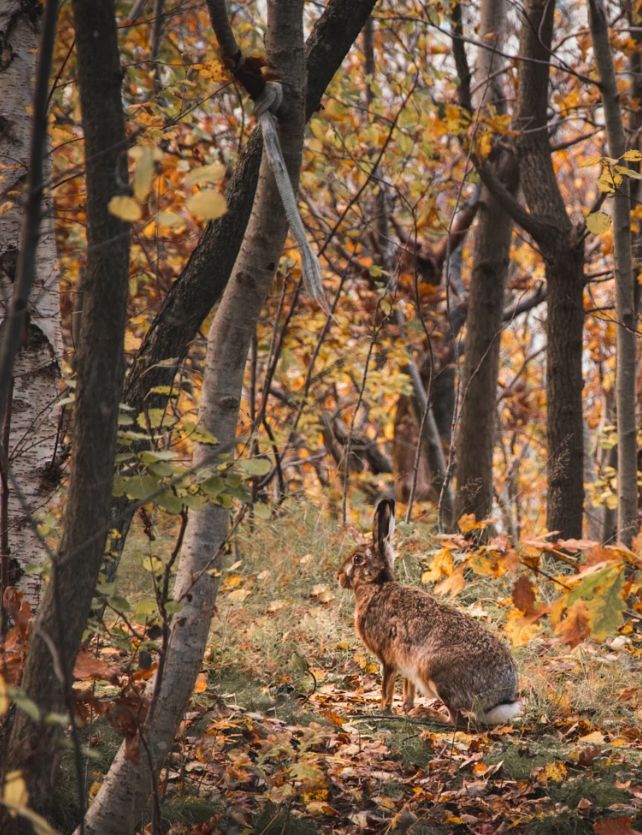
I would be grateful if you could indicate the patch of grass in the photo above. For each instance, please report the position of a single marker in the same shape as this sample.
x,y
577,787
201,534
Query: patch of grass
x,y
519,761
105,742
563,824
598,789
279,820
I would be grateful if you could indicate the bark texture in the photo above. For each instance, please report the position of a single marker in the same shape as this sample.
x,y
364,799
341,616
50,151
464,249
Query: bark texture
x,y
100,365
486,298
33,415
561,246
626,335
116,808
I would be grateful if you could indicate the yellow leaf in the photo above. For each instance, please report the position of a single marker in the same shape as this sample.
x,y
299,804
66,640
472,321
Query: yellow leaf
x,y
520,628
125,208
143,173
201,683
632,156
15,794
596,736
205,174
4,701
168,218
468,522
238,596
598,222
441,566
556,771
207,204
232,581
276,605
605,183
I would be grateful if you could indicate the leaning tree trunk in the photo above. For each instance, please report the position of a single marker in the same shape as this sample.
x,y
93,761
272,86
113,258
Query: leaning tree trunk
x,y
486,298
205,276
626,334
32,416
33,746
116,808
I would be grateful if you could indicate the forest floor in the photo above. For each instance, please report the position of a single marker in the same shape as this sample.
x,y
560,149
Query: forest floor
x,y
284,735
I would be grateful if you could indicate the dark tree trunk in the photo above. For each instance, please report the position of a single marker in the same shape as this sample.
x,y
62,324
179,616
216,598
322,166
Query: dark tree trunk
x,y
561,246
485,304
100,363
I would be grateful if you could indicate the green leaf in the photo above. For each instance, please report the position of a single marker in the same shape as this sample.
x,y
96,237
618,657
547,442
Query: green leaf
x,y
119,603
140,486
150,456
262,511
145,608
27,706
198,434
194,502
173,607
224,500
157,418
607,608
256,466
161,469
169,502
213,486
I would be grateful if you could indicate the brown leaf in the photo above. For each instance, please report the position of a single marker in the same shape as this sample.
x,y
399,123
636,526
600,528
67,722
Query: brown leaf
x,y
576,626
89,667
524,595
614,826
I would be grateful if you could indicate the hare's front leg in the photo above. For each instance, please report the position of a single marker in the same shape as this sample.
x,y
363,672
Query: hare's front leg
x,y
387,687
408,695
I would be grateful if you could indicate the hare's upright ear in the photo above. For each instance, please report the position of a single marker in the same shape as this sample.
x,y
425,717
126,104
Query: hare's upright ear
x,y
382,529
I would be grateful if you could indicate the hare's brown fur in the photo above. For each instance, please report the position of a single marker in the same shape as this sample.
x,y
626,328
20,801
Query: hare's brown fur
x,y
438,649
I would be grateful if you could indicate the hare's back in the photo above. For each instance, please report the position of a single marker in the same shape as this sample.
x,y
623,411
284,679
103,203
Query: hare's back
x,y
421,620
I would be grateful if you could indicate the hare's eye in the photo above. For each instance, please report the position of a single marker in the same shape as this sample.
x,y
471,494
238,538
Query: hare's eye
x,y
358,559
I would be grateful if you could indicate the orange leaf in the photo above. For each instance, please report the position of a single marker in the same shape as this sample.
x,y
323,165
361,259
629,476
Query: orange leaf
x,y
201,683
614,826
575,626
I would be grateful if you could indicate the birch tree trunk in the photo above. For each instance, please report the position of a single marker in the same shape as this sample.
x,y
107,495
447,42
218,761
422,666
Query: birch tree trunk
x,y
117,806
486,298
33,416
626,335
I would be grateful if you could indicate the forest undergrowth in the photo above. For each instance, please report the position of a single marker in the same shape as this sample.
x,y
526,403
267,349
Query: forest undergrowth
x,y
284,733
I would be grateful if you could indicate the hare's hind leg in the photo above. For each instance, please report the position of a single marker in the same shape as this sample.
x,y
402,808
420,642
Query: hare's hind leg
x,y
408,695
387,687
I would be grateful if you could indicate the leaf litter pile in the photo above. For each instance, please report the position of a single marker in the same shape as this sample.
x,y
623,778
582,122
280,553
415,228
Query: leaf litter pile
x,y
285,734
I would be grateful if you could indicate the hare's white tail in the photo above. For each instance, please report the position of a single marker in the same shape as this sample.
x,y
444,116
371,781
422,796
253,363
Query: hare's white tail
x,y
501,714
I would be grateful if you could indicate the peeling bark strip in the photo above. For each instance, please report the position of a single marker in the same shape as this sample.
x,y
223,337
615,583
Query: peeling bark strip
x,y
124,792
100,368
626,335
486,300
202,282
33,415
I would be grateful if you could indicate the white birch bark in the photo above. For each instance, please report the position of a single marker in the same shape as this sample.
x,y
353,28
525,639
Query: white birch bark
x,y
34,416
117,806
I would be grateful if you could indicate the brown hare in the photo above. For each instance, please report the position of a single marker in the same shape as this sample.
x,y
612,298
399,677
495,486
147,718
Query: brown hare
x,y
441,651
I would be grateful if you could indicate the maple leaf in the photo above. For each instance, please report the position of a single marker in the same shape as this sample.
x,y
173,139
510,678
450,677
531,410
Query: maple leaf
x,y
576,626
